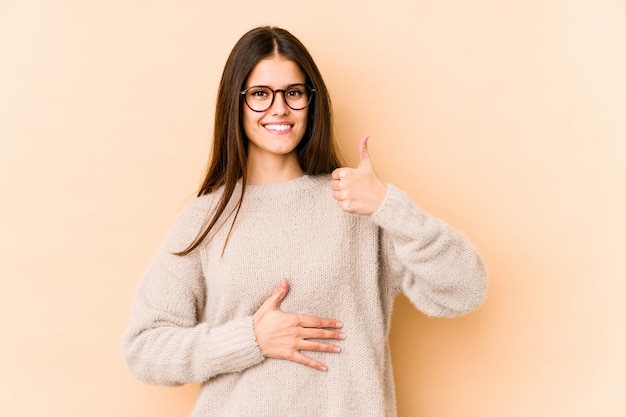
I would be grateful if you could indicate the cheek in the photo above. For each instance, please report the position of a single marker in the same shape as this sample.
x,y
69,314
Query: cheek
x,y
303,122
249,124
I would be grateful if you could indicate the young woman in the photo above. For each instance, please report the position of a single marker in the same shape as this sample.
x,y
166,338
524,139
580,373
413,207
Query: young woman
x,y
274,288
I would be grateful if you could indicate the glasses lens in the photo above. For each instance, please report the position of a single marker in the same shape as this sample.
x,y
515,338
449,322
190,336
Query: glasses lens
x,y
259,98
297,96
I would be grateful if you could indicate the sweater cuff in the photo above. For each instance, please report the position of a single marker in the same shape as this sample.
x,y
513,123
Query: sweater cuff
x,y
234,346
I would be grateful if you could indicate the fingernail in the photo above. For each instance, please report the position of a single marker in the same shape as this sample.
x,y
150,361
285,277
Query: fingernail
x,y
341,336
323,368
338,324
336,349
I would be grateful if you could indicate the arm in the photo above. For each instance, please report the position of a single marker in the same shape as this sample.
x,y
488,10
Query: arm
x,y
166,342
433,264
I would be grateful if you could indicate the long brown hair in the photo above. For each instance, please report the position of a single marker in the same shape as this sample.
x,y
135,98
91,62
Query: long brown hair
x,y
317,152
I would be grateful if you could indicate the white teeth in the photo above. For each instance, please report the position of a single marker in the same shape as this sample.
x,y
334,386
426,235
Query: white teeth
x,y
278,127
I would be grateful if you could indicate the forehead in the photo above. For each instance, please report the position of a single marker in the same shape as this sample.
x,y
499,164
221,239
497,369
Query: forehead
x,y
276,72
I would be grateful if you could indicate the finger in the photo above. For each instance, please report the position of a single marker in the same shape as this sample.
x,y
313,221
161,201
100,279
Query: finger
x,y
364,156
346,205
340,195
339,174
318,322
305,360
279,295
319,347
311,333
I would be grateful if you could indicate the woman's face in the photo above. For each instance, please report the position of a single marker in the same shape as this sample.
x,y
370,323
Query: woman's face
x,y
275,132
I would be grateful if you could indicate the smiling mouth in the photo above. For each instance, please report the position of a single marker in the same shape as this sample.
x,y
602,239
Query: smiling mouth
x,y
278,127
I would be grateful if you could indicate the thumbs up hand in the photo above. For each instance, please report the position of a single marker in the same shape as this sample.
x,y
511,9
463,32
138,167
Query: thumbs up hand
x,y
358,190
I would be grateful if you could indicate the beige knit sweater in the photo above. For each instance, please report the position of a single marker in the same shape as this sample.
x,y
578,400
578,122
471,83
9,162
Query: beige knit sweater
x,y
192,315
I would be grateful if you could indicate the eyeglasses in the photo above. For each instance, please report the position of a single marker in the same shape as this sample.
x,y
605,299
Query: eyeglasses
x,y
259,98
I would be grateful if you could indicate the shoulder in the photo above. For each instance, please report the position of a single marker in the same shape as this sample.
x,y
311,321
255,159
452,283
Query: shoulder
x,y
319,184
197,209
189,221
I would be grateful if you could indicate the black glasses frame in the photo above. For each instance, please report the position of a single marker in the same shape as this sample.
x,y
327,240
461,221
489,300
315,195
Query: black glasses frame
x,y
279,90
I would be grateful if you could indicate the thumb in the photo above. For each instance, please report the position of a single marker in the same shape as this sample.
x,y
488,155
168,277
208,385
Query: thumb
x,y
364,156
279,295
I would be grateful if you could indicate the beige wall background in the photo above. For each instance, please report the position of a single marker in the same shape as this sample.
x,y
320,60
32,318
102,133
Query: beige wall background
x,y
506,118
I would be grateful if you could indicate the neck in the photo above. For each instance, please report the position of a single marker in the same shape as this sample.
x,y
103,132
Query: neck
x,y
273,170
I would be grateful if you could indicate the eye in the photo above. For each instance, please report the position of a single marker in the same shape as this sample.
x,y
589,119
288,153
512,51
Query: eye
x,y
295,92
258,93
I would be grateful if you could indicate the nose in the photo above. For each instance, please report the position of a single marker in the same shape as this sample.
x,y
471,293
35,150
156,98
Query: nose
x,y
279,106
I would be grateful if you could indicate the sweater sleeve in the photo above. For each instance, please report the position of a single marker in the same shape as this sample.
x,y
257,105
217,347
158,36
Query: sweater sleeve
x,y
434,265
166,342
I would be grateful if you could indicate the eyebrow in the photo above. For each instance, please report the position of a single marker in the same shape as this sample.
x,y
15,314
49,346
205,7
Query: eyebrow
x,y
267,85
